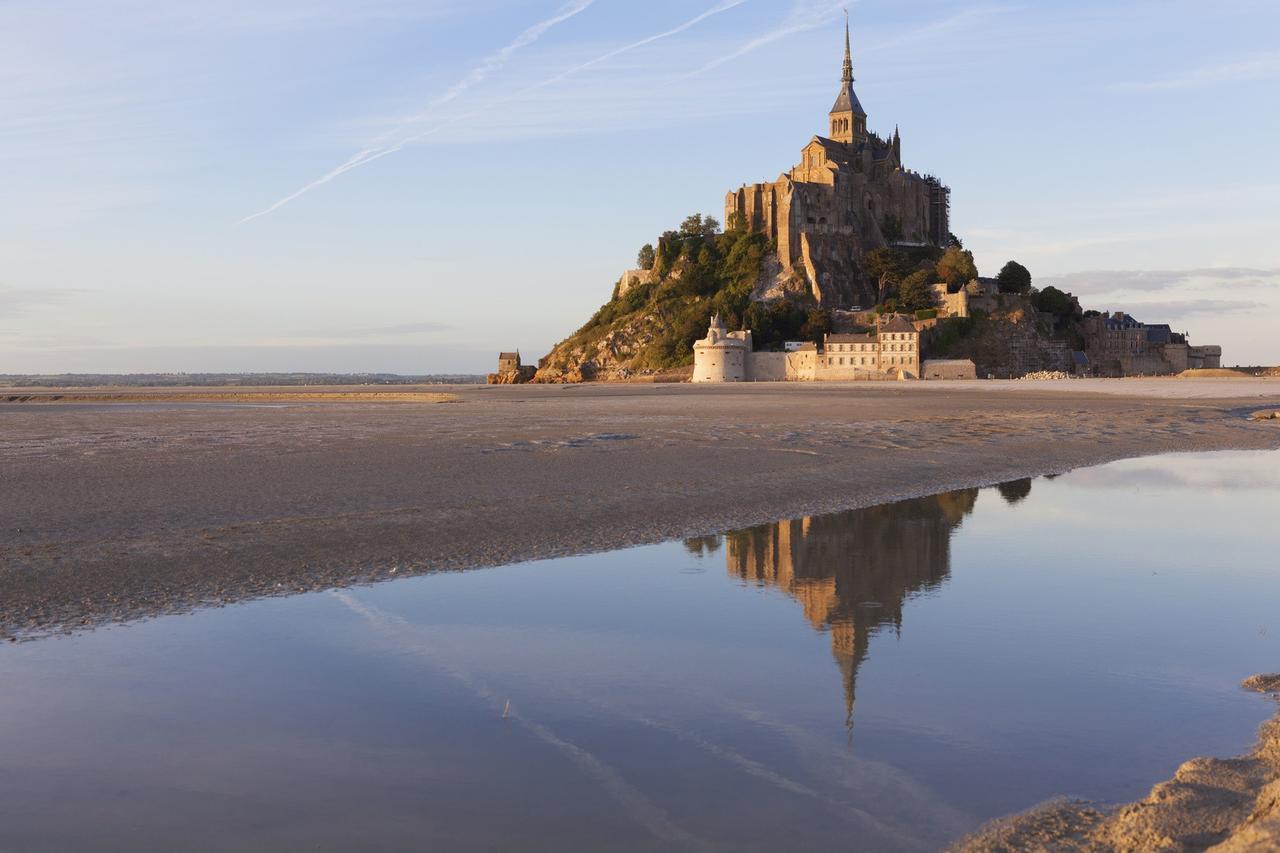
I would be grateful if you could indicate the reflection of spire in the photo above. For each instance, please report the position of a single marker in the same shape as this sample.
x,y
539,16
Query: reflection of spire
x,y
852,572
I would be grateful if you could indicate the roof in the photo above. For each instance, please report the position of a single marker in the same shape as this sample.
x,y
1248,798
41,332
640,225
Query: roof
x,y
1079,358
837,151
847,101
898,323
1120,320
503,356
1159,334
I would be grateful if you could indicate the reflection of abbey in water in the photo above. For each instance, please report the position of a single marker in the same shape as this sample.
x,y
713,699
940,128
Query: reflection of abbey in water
x,y
853,571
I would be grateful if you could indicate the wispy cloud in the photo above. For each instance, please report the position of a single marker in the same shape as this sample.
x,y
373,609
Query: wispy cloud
x,y
372,331
388,144
1111,281
14,300
806,15
1252,67
486,67
724,6
1177,309
289,16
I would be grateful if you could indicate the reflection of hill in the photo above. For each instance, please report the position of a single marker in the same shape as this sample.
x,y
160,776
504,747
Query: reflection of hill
x,y
852,571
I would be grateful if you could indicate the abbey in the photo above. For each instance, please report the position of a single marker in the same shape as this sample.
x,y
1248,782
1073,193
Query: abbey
x,y
848,194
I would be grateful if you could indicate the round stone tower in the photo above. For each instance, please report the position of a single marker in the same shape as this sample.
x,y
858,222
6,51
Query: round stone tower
x,y
721,356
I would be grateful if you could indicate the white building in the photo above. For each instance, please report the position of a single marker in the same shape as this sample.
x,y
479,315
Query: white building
x,y
892,352
721,356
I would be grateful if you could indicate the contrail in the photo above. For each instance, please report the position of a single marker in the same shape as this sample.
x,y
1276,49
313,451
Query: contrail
x,y
377,150
487,66
692,22
801,19
724,6
408,637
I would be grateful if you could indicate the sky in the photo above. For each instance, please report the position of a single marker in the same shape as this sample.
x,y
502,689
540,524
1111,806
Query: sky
x,y
410,187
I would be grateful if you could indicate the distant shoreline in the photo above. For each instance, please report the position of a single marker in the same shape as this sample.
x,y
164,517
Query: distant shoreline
x,y
265,394
232,380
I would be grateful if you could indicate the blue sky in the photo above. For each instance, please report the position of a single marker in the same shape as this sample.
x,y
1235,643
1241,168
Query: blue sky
x,y
481,172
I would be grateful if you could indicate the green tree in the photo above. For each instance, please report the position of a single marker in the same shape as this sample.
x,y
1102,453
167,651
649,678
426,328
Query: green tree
x,y
1014,278
697,225
953,240
956,267
886,267
646,257
816,325
1053,301
916,292
735,222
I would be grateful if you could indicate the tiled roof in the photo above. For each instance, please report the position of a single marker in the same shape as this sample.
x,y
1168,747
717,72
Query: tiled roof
x,y
898,323
847,101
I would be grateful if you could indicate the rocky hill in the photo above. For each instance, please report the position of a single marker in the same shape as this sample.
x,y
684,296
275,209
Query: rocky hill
x,y
649,325
1010,341
656,313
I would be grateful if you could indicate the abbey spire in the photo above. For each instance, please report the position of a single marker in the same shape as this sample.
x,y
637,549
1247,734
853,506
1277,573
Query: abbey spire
x,y
848,118
848,54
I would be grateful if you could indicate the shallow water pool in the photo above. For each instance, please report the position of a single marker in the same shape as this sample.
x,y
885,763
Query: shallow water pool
x,y
880,679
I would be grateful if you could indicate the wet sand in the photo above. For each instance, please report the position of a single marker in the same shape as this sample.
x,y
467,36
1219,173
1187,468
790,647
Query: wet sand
x,y
257,394
120,511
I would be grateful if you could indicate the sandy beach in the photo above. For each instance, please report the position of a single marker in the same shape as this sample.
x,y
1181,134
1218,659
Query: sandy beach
x,y
121,509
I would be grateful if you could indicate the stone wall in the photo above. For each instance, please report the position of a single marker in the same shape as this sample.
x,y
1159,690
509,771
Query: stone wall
x,y
1204,358
767,366
828,210
1144,365
634,278
948,368
723,362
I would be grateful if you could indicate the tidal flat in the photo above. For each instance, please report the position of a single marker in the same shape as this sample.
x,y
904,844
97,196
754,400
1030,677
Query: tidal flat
x,y
255,628
127,509
890,677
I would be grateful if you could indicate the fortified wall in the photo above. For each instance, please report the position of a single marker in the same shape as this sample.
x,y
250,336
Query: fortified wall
x,y
893,353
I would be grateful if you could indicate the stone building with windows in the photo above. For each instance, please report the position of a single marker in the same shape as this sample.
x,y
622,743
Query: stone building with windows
x,y
848,194
511,371
1120,345
891,353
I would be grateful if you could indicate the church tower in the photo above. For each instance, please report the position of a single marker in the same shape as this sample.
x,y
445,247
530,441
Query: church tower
x,y
848,118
